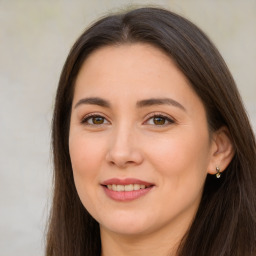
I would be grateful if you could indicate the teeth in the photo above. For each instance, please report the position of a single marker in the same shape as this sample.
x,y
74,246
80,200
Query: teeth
x,y
129,187
119,188
136,186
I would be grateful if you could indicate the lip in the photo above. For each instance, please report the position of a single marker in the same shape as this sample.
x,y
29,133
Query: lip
x,y
126,181
124,196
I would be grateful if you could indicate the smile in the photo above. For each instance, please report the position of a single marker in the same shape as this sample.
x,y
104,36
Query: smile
x,y
129,187
126,189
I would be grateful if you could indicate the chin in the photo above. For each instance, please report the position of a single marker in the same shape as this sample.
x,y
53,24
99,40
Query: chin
x,y
125,225
126,230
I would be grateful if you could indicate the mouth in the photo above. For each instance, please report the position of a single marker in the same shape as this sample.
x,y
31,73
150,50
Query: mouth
x,y
126,189
129,187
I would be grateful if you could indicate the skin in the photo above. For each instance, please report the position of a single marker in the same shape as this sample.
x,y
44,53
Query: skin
x,y
127,142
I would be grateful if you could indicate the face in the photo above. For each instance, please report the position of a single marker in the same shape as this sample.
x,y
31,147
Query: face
x,y
139,142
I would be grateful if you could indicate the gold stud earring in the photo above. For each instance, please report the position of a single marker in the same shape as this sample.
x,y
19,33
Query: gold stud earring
x,y
218,174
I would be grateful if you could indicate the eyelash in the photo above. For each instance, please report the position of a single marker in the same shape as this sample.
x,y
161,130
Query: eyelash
x,y
86,119
167,120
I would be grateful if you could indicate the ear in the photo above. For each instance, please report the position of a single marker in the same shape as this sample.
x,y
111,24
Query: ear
x,y
222,150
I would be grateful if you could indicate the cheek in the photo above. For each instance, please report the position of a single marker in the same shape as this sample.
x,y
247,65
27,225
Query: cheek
x,y
181,162
181,154
86,155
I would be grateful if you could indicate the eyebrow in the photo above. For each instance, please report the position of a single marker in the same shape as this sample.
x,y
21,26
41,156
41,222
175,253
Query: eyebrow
x,y
142,103
93,101
160,101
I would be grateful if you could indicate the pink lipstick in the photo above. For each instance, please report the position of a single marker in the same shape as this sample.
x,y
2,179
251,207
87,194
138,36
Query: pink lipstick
x,y
126,189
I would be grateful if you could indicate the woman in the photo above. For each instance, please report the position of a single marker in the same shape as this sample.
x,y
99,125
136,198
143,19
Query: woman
x,y
153,151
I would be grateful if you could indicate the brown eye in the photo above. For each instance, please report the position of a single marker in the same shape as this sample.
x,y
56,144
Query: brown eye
x,y
159,120
94,120
97,120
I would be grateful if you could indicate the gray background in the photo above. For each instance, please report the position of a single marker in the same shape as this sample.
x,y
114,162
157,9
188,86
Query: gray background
x,y
35,37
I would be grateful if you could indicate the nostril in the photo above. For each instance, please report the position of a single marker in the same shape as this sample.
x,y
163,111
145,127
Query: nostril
x,y
122,158
111,162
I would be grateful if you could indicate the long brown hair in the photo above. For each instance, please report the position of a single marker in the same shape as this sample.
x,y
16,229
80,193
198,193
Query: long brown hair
x,y
225,224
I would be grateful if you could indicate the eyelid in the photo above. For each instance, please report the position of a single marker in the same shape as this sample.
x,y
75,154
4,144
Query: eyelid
x,y
170,119
94,114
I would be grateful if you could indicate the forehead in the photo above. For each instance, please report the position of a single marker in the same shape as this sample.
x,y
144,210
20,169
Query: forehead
x,y
131,71
126,56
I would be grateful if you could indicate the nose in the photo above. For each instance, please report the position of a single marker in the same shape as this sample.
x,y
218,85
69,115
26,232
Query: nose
x,y
123,149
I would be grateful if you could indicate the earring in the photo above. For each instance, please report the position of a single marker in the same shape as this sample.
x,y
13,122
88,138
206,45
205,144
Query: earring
x,y
218,174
